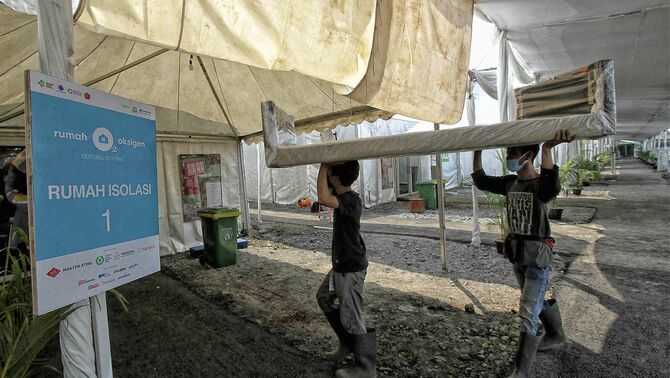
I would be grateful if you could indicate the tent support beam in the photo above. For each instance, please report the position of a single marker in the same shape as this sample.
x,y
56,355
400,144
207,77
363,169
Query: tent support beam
x,y
85,328
125,67
241,177
216,97
244,204
98,79
440,206
325,117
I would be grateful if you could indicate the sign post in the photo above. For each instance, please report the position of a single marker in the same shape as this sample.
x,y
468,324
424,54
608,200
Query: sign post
x,y
94,209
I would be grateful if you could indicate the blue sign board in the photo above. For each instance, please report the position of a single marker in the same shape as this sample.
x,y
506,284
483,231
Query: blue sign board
x,y
94,218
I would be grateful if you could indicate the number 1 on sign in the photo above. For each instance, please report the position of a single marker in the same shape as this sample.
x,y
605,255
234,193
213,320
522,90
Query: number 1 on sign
x,y
106,215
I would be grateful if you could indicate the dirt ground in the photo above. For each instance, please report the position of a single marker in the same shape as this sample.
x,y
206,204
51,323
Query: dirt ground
x,y
259,318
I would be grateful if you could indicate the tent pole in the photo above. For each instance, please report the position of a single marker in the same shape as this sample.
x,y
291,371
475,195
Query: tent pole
x,y
613,155
665,150
86,328
396,177
218,100
361,172
440,205
659,154
244,205
470,109
258,175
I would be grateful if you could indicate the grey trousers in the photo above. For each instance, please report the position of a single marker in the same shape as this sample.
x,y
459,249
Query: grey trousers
x,y
347,289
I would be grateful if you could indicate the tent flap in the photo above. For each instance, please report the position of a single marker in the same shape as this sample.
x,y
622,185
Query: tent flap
x,y
323,39
419,62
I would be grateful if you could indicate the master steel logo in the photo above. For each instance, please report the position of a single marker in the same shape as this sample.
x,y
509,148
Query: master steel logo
x,y
53,272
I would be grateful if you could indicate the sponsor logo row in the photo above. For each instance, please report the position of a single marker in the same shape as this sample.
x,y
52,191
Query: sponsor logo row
x,y
87,96
104,278
61,89
110,257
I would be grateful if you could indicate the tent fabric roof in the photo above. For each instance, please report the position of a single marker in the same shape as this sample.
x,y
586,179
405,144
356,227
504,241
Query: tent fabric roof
x,y
173,81
400,56
555,36
317,38
207,65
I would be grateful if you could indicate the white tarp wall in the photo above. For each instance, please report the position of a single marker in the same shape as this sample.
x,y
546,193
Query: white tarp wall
x,y
486,113
287,185
175,234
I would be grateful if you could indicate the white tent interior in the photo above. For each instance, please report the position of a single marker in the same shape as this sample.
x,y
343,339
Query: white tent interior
x,y
554,36
207,65
287,185
208,93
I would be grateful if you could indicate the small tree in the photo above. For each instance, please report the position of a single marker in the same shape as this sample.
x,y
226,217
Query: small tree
x,y
499,201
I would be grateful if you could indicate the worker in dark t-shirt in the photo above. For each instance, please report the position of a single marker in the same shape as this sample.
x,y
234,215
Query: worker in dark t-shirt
x,y
345,281
529,243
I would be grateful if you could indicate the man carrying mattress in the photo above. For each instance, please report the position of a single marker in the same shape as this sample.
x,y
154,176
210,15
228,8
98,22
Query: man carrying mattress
x,y
529,244
340,296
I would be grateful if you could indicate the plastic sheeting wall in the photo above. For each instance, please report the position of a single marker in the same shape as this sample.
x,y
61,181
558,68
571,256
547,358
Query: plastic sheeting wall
x,y
175,234
287,185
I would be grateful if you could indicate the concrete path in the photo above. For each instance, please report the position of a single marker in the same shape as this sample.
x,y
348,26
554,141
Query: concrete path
x,y
615,295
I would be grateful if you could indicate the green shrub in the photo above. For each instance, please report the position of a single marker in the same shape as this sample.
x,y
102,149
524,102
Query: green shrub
x,y
604,159
22,334
570,176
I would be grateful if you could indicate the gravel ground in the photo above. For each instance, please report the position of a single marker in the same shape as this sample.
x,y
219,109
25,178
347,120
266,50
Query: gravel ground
x,y
454,212
260,317
571,215
417,308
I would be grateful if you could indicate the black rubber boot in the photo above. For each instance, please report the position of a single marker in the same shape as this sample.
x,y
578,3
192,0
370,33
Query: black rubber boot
x,y
525,355
365,353
344,348
553,327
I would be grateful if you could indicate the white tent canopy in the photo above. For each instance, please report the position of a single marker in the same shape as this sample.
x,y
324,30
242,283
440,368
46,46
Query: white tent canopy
x,y
192,93
393,55
554,36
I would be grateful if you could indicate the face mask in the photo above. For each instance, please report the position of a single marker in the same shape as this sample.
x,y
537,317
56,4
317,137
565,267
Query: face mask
x,y
513,165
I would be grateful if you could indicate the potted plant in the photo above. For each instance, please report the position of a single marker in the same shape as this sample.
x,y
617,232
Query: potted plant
x,y
556,212
499,202
604,159
25,335
577,187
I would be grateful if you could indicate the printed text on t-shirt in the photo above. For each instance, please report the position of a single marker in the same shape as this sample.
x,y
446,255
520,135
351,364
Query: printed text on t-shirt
x,y
520,212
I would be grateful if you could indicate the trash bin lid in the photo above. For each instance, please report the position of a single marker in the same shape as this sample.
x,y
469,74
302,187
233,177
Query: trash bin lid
x,y
218,212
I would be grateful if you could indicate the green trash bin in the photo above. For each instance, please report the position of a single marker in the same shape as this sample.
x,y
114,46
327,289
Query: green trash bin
x,y
219,235
428,191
